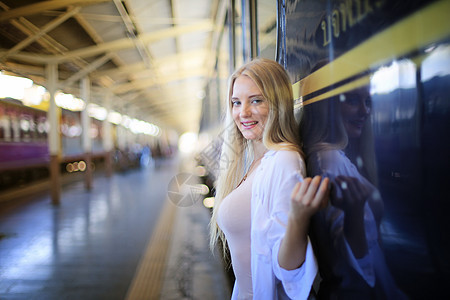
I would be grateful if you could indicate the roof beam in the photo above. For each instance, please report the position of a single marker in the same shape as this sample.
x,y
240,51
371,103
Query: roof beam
x,y
30,58
116,45
133,32
45,41
146,83
137,67
88,69
126,43
48,27
172,12
36,8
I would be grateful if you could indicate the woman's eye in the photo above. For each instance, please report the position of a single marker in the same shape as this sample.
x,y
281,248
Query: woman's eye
x,y
352,101
256,101
236,103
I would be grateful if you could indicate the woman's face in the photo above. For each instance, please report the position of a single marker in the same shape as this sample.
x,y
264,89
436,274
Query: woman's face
x,y
250,109
355,108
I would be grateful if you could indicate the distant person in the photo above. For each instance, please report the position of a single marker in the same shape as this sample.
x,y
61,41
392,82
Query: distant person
x,y
338,143
263,203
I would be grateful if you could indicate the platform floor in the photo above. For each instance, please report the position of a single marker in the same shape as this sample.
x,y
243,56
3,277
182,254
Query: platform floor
x,y
122,240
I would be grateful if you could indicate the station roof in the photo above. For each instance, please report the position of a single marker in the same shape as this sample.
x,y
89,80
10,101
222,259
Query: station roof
x,y
155,55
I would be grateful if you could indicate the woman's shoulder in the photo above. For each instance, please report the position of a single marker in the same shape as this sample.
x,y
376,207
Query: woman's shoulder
x,y
288,154
283,159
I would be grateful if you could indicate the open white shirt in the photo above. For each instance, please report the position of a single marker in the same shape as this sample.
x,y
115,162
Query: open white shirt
x,y
270,203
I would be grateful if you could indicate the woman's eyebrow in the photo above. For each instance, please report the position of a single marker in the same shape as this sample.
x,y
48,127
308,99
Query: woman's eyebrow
x,y
251,96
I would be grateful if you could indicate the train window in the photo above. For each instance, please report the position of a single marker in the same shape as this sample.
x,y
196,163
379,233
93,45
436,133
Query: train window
x,y
25,124
15,128
4,128
41,128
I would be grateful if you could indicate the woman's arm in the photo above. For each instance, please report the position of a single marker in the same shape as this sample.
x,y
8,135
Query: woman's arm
x,y
306,199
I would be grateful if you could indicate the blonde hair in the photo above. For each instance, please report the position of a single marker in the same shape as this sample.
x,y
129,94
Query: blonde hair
x,y
280,131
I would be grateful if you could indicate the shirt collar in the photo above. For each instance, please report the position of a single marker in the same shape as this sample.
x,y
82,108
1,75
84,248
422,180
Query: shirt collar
x,y
270,153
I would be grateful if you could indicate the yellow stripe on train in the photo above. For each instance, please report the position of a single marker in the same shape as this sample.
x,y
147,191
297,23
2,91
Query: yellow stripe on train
x,y
422,28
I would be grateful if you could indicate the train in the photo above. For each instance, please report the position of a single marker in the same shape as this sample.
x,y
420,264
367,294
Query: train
x,y
24,149
371,82
377,73
23,143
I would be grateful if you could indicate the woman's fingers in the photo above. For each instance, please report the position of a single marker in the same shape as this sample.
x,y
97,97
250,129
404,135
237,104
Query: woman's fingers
x,y
295,191
312,192
301,190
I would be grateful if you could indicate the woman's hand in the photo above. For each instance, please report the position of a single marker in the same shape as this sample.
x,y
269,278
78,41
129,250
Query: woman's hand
x,y
308,197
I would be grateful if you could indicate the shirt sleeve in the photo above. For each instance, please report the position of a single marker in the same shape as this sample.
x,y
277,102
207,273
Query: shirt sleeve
x,y
297,283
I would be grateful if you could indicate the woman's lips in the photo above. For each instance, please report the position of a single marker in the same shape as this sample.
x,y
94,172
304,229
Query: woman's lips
x,y
357,123
249,125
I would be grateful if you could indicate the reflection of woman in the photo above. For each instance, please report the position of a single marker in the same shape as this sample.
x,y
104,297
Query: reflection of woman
x,y
338,143
262,211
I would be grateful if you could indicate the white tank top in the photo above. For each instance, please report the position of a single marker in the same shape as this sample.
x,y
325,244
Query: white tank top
x,y
234,218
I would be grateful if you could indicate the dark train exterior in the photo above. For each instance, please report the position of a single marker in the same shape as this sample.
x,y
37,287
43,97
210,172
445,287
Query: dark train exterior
x,y
372,83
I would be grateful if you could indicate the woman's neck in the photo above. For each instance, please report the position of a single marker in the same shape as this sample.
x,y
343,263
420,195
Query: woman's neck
x,y
258,149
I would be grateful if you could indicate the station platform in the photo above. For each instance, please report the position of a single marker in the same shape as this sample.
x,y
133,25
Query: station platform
x,y
124,239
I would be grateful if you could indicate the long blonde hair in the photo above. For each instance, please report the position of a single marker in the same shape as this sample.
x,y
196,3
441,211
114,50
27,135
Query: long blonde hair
x,y
280,131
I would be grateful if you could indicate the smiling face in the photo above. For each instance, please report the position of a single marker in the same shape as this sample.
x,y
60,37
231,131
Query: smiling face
x,y
355,108
249,108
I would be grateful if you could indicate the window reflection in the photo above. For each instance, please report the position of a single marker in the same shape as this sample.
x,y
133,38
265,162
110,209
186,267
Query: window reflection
x,y
437,64
338,142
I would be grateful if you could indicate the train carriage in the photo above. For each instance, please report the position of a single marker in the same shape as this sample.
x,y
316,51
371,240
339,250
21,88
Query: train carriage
x,y
371,81
24,151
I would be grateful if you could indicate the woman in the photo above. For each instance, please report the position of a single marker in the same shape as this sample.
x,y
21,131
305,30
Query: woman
x,y
262,211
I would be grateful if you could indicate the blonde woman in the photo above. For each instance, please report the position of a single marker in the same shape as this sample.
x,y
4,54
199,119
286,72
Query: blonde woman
x,y
263,203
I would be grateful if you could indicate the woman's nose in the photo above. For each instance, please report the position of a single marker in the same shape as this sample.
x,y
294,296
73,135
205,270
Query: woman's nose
x,y
245,110
364,108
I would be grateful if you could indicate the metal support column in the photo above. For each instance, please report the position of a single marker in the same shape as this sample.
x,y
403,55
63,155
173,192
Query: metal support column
x,y
53,134
254,51
249,30
232,34
85,86
107,135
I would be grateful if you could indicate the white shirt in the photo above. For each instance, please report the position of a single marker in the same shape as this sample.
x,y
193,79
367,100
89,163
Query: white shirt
x,y
270,204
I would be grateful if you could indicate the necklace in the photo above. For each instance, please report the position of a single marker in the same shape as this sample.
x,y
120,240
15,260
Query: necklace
x,y
249,171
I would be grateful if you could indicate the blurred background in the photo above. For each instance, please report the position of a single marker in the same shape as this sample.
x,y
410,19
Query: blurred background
x,y
111,120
